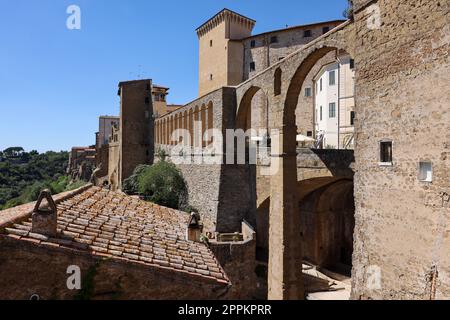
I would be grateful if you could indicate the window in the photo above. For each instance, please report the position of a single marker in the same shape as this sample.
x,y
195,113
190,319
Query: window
x,y
252,44
325,29
274,39
210,43
426,171
309,133
332,78
352,118
321,113
210,76
307,34
332,110
386,152
321,87
308,92
147,100
352,64
252,66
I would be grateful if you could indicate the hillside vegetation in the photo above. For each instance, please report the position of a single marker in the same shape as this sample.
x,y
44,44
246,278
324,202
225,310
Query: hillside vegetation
x,y
24,174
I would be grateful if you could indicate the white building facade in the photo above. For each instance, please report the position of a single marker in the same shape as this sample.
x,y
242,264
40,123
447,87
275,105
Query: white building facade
x,y
334,104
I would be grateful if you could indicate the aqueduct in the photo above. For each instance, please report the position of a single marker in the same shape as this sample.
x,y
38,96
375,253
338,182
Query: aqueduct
x,y
230,108
282,83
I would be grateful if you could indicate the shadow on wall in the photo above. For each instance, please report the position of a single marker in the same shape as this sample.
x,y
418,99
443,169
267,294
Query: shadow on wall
x,y
327,212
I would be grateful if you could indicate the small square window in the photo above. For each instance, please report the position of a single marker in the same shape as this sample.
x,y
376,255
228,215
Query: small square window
x,y
307,34
386,152
325,29
426,171
252,66
252,44
274,39
308,92
309,133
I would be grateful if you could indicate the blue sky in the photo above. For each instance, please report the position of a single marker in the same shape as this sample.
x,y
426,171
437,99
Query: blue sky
x,y
55,82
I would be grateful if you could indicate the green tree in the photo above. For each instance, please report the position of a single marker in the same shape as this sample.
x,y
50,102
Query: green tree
x,y
163,184
131,185
13,152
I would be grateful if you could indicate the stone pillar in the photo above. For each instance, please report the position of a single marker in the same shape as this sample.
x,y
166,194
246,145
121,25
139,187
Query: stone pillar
x,y
285,244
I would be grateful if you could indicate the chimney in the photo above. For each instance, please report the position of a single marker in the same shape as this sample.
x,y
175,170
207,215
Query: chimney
x,y
44,220
195,228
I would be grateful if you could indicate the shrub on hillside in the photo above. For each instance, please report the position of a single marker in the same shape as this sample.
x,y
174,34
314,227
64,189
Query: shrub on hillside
x,y
131,185
163,184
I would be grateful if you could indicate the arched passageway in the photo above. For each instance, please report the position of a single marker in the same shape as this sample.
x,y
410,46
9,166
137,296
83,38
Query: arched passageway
x,y
326,213
285,245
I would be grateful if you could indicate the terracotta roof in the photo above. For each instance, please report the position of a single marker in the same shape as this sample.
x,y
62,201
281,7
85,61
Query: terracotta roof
x,y
111,224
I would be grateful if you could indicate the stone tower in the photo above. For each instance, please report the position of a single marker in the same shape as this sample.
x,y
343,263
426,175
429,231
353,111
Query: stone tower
x,y
220,55
136,141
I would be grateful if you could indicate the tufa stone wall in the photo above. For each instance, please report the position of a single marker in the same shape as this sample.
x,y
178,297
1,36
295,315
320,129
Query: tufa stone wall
x,y
403,72
238,261
29,269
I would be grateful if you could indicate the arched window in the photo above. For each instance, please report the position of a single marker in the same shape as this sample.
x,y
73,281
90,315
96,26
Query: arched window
x,y
204,124
277,82
210,120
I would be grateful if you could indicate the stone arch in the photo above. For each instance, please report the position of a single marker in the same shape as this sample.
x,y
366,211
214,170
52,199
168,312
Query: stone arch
x,y
164,131
284,276
156,132
210,120
247,112
191,126
277,83
204,124
302,71
171,127
322,202
176,127
196,135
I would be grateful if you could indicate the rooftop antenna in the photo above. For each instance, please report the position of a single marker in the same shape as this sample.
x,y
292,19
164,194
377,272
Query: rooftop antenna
x,y
140,73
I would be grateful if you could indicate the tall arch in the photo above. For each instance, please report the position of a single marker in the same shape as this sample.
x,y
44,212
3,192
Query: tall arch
x,y
196,130
204,124
254,104
176,128
191,127
210,111
285,247
277,82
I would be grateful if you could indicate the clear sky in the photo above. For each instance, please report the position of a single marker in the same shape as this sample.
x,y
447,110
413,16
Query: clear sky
x,y
55,82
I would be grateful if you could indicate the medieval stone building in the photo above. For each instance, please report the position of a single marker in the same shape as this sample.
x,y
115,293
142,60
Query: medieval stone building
x,y
378,215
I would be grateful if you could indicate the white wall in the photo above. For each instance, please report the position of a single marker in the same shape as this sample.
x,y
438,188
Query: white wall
x,y
341,93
